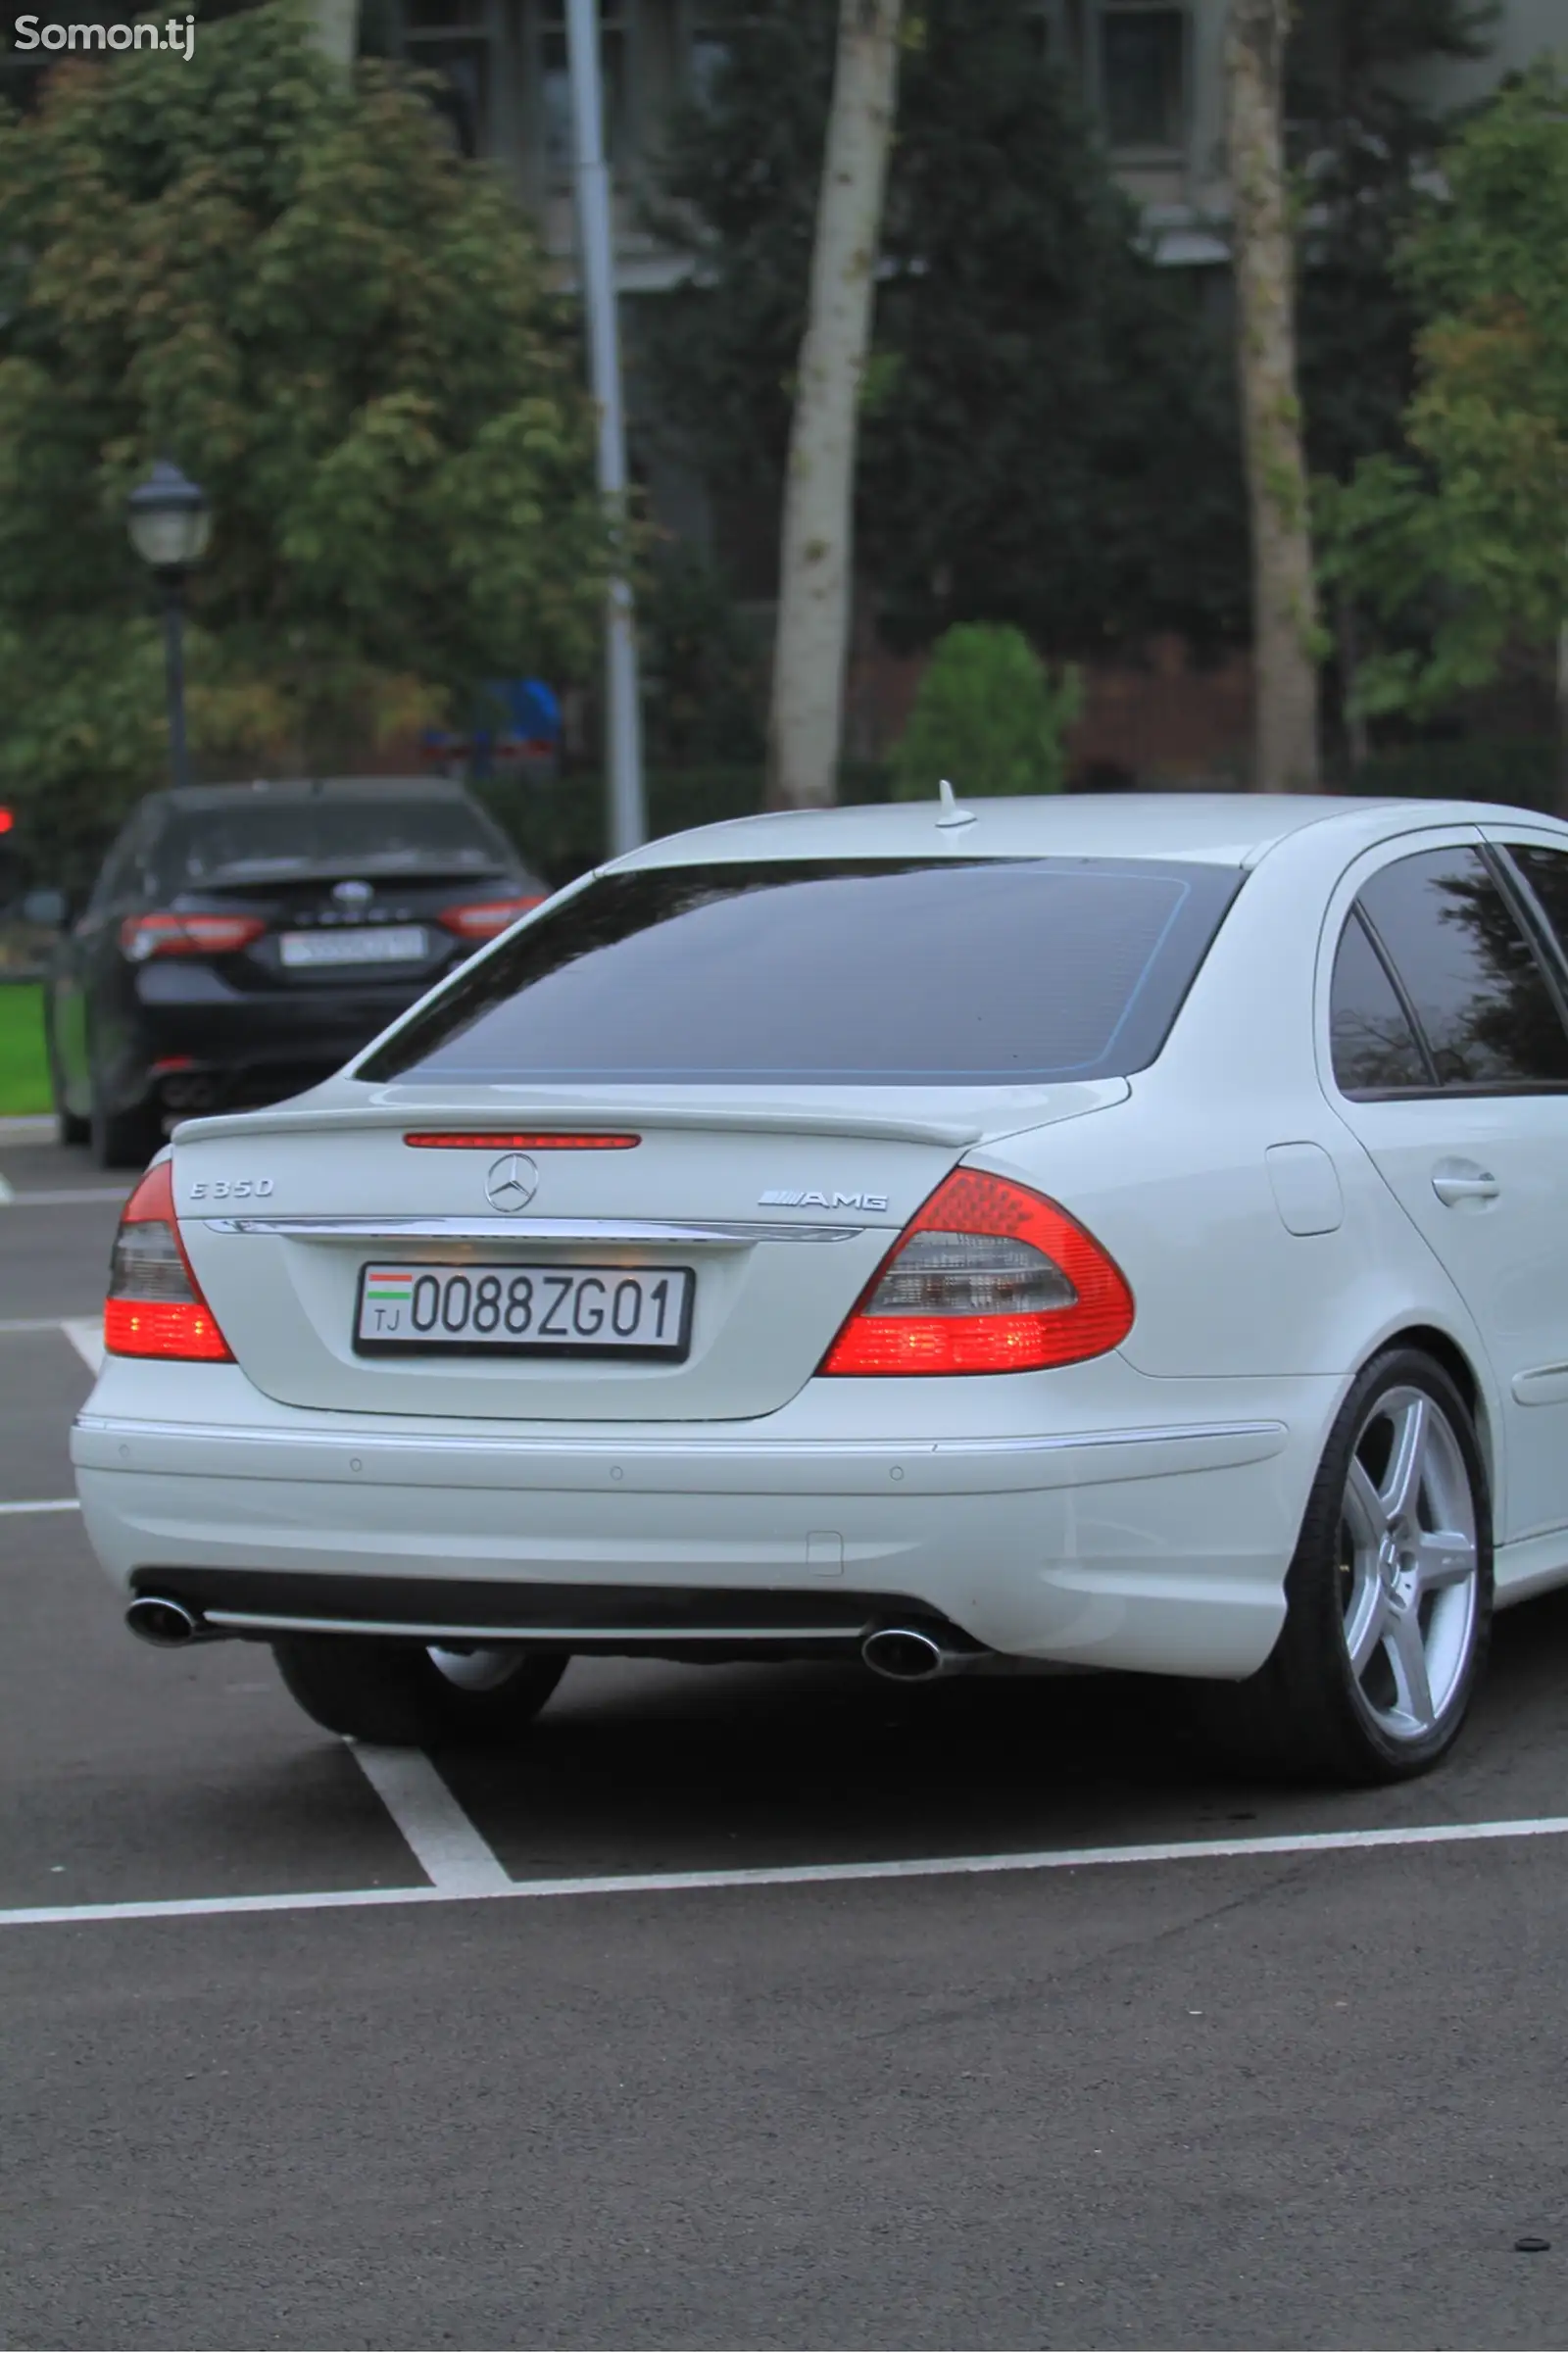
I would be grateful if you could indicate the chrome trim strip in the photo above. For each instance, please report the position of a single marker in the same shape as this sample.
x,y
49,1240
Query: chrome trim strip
x,y
258,1622
730,1234
618,1449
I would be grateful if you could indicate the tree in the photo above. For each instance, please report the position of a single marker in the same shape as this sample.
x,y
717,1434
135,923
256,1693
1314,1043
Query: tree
x,y
1363,149
816,565
1284,589
1460,542
989,717
1048,434
1051,441
289,284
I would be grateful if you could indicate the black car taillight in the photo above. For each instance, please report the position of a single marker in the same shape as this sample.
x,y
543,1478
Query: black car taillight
x,y
168,934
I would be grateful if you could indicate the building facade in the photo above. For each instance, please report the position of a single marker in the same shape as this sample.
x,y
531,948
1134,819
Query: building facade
x,y
1151,71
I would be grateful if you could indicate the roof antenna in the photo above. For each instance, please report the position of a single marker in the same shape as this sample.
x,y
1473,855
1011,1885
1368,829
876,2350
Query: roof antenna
x,y
952,813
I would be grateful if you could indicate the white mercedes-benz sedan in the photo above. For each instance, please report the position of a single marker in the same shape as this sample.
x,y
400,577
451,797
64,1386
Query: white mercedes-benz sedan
x,y
1125,1232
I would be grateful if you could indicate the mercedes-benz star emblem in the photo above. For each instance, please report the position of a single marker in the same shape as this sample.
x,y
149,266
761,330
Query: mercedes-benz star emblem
x,y
512,1183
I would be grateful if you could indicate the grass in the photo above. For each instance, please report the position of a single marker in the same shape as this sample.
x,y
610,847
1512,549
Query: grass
x,y
23,1074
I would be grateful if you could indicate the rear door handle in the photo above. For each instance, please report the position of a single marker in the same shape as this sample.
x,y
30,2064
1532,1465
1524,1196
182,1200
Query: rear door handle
x,y
1481,1186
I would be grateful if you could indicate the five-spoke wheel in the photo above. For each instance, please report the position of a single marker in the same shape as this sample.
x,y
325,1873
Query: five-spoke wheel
x,y
1389,1598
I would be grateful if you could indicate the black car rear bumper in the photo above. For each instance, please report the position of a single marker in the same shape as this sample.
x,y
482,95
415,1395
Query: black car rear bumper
x,y
191,1045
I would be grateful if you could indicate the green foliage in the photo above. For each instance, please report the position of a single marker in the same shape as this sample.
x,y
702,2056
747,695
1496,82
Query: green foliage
x,y
296,290
989,717
702,666
562,829
1048,431
24,1072
1462,543
1517,774
1363,149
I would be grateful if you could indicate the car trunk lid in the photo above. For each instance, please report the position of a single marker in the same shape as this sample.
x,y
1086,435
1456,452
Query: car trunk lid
x,y
779,1204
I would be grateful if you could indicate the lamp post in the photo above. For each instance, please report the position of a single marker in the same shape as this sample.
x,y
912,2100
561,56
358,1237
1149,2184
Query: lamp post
x,y
170,524
627,812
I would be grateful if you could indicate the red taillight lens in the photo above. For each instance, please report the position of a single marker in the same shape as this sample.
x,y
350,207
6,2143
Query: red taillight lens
x,y
144,936
988,1278
155,1305
487,918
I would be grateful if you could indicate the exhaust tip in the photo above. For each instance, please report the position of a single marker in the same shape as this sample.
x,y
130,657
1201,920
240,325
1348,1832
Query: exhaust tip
x,y
904,1655
167,1624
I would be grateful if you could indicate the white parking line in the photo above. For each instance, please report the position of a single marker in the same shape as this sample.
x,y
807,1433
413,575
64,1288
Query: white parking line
x,y
85,1334
1306,1844
59,1503
444,1842
11,1324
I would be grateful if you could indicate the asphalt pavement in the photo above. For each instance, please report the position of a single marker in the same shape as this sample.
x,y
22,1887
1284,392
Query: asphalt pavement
x,y
302,2045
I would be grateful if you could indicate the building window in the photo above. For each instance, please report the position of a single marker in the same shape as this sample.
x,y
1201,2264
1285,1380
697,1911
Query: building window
x,y
1142,74
555,82
452,38
707,53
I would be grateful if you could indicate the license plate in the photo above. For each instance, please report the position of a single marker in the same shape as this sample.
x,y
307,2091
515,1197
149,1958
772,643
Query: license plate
x,y
395,943
525,1310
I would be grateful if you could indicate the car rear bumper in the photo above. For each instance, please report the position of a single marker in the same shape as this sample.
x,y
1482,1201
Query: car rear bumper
x,y
214,1049
1159,1548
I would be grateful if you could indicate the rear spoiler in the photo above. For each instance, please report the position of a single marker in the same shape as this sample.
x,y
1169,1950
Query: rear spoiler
x,y
1002,1115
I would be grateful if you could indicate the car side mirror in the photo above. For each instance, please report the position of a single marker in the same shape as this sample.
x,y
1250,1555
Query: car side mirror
x,y
49,909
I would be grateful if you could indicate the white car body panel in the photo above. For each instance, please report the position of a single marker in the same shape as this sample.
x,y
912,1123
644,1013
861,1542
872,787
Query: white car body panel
x,y
1137,1511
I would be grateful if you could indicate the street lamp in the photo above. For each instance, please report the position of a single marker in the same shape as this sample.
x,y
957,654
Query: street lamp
x,y
170,524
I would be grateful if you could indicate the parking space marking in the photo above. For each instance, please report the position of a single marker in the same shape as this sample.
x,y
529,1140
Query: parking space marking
x,y
444,1842
85,1334
1306,1844
57,1503
15,1324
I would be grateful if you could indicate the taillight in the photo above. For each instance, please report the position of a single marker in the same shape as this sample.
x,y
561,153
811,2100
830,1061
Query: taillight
x,y
988,1278
155,1305
487,918
164,934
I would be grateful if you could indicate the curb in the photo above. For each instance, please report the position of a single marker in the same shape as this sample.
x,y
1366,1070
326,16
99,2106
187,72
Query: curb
x,y
35,1128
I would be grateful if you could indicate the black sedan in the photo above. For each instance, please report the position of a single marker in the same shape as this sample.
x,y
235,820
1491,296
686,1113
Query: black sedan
x,y
242,940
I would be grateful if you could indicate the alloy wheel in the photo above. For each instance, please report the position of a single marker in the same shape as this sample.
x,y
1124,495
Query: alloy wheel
x,y
1409,1565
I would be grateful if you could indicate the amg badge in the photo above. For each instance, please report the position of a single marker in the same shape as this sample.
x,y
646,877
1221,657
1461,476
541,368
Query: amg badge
x,y
823,1201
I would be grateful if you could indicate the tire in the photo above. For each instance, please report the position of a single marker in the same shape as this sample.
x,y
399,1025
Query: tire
x,y
1384,1634
403,1696
123,1138
71,1127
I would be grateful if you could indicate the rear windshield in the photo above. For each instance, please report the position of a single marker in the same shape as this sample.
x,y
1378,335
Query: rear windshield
x,y
249,841
939,974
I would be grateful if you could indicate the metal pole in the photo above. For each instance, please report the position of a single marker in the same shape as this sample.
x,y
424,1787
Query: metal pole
x,y
628,823
174,675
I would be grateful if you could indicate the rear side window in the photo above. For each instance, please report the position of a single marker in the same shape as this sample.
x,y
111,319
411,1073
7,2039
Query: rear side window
x,y
121,875
1474,981
1376,1052
924,973
1546,874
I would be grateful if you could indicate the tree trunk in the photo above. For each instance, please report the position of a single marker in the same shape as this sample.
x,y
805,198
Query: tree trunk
x,y
1562,720
1284,619
336,26
815,571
